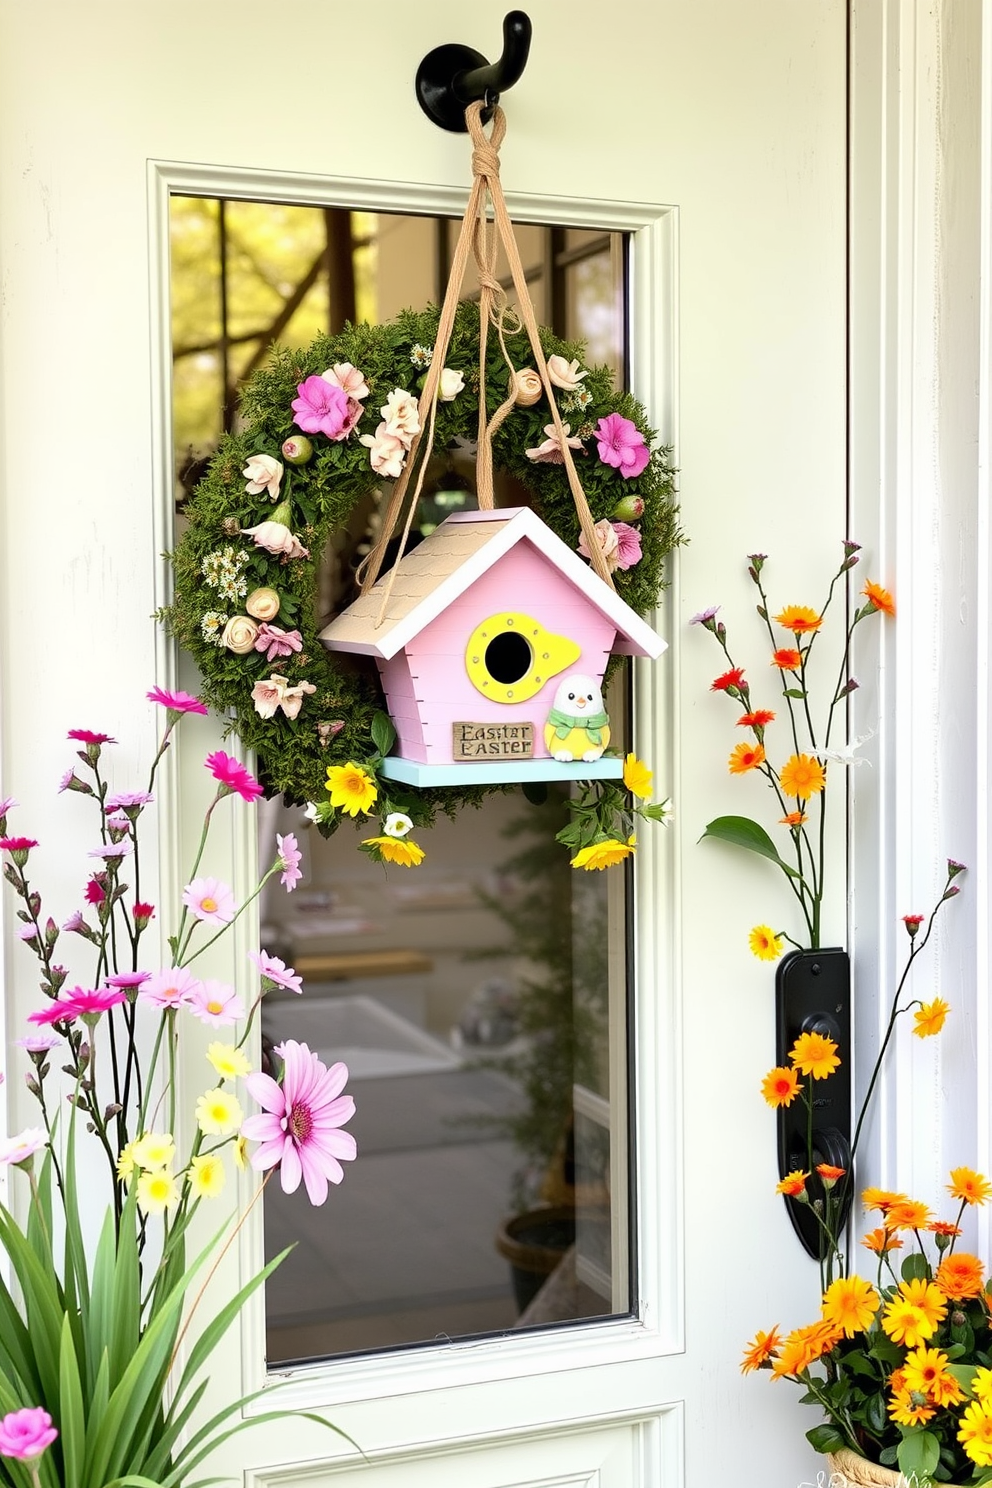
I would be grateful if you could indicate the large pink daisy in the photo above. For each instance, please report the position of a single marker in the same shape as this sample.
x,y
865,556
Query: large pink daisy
x,y
232,775
298,1128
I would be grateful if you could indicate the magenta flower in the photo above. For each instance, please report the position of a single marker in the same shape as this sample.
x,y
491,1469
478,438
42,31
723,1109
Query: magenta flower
x,y
628,545
298,1127
233,776
17,844
290,857
209,900
55,1012
322,408
168,989
177,702
126,981
276,642
622,445
26,1433
87,736
142,914
215,1004
82,1002
276,971
94,892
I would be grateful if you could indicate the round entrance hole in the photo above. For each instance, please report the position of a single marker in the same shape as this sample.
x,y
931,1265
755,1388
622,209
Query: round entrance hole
x,y
508,657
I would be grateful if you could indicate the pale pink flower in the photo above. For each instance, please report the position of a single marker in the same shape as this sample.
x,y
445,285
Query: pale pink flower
x,y
39,1043
348,378
565,374
176,702
550,451
170,988
264,474
322,408
113,849
7,804
76,925
127,981
232,775
210,901
401,415
27,932
290,856
215,1004
18,1149
609,543
622,445
292,698
386,452
629,545
26,1434
275,537
125,800
276,971
267,694
298,1128
276,642
118,826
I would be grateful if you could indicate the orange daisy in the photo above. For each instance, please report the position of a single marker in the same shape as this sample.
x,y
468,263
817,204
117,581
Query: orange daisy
x,y
879,598
800,619
794,819
745,757
850,1303
760,1350
829,1173
780,1087
793,1184
803,1346
881,1241
880,1198
969,1186
760,718
787,659
961,1275
929,1017
911,1407
942,1227
815,1054
907,1214
802,775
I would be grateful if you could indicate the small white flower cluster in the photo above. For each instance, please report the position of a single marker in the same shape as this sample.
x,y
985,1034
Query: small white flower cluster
x,y
223,570
576,402
212,626
421,356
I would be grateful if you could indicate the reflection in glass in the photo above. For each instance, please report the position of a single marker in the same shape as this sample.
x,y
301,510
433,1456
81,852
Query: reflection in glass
x,y
479,1000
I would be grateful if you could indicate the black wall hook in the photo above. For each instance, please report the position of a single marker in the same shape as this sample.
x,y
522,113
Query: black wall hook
x,y
453,76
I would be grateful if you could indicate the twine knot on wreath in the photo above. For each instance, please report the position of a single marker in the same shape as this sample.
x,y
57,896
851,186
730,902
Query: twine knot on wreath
x,y
328,442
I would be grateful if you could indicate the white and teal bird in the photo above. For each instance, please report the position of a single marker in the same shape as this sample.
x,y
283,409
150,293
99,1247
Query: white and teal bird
x,y
578,727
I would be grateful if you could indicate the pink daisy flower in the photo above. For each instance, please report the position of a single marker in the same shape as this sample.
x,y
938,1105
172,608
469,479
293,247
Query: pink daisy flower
x,y
39,1043
178,702
7,804
622,445
232,775
124,800
298,1127
87,736
126,981
112,849
171,988
210,901
290,857
215,1004
276,971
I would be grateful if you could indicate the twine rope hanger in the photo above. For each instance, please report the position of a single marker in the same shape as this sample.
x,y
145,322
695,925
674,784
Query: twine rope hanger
x,y
482,239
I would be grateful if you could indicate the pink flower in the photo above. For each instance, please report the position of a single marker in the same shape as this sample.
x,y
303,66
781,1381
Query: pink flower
x,y
112,849
267,694
39,1043
125,800
290,857
609,543
622,445
118,826
210,901
17,1150
7,804
142,914
79,1002
348,378
17,844
94,892
177,702
76,925
171,988
276,538
550,451
275,971
276,642
264,474
298,1127
26,1433
215,1004
86,736
27,933
386,452
232,775
292,698
126,981
54,1012
322,408
629,545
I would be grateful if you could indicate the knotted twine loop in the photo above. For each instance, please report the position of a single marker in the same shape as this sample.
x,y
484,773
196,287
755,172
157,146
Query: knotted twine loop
x,y
474,236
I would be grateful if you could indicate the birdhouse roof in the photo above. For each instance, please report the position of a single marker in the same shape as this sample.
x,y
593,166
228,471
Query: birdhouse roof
x,y
459,551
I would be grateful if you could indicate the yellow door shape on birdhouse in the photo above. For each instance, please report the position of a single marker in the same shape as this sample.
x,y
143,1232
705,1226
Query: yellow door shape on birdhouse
x,y
510,656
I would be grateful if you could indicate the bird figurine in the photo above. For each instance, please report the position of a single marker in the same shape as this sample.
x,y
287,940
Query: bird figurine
x,y
578,727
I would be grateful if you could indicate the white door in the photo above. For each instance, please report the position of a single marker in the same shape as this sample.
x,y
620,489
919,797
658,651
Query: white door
x,y
716,134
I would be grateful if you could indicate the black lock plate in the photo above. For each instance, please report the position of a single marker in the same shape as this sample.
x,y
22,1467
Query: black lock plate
x,y
813,995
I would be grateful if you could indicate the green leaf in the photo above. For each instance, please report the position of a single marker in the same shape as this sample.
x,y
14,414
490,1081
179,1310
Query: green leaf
x,y
383,733
915,1267
72,1421
793,692
887,1456
857,1363
886,1351
826,1438
919,1453
876,1414
743,832
535,791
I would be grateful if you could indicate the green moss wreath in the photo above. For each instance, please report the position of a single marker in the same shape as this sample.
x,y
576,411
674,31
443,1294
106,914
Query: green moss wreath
x,y
219,569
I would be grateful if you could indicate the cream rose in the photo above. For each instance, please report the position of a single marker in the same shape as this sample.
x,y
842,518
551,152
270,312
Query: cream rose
x,y
239,635
263,604
565,374
401,416
450,385
527,387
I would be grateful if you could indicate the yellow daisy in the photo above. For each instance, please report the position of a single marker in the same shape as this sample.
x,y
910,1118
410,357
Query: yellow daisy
x,y
765,944
206,1176
637,777
157,1191
153,1150
218,1112
228,1061
800,619
802,776
850,1303
125,1163
929,1017
976,1433
239,1151
815,1054
351,788
397,850
603,854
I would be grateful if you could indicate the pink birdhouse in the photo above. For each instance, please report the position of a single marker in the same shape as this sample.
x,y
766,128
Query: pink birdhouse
x,y
491,650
